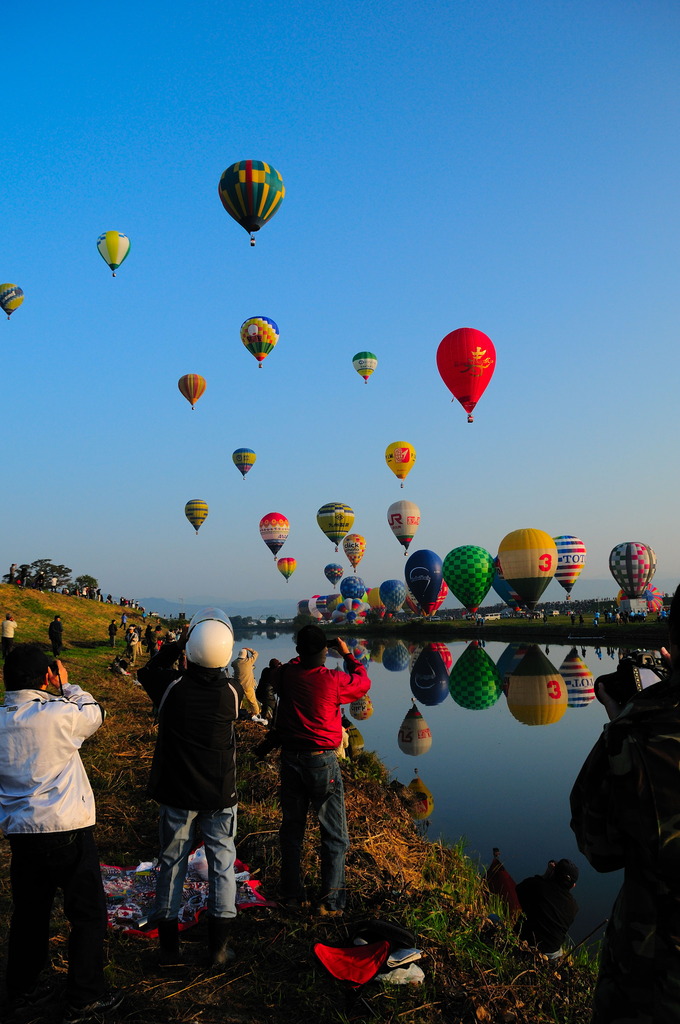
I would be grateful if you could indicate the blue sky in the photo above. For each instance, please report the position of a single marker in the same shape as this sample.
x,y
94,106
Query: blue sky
x,y
510,166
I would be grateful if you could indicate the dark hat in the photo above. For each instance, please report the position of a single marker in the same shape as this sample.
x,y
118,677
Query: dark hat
x,y
566,872
311,640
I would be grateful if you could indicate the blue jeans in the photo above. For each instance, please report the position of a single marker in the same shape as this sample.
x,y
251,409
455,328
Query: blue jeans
x,y
176,831
313,778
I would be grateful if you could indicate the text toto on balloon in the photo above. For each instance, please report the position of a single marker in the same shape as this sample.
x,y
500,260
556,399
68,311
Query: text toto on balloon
x,y
192,386
274,529
113,248
11,297
259,334
528,560
466,359
251,192
400,456
403,518
571,558
196,512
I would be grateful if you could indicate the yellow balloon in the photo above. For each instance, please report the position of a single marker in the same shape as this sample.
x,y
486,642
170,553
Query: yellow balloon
x,y
400,457
537,693
528,559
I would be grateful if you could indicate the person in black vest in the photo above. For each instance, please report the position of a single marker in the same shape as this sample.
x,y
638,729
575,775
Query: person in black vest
x,y
193,775
56,635
548,907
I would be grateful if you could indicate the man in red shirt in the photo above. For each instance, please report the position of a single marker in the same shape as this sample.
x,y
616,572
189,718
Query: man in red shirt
x,y
308,721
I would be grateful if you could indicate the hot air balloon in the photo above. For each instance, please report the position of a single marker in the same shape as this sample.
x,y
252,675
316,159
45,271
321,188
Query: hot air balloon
x,y
196,512
528,559
632,564
251,192
444,654
286,567
375,601
192,386
654,599
355,741
403,518
364,363
578,679
393,594
259,334
244,460
274,529
466,359
415,737
353,586
335,520
351,610
113,248
537,693
332,603
469,572
508,662
423,574
441,596
395,657
423,805
429,677
361,709
333,572
474,682
11,297
400,456
503,588
571,557
354,546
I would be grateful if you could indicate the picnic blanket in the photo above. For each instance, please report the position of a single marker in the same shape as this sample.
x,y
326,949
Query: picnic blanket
x,y
131,892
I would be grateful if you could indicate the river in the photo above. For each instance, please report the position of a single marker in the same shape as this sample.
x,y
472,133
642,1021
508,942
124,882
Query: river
x,y
495,780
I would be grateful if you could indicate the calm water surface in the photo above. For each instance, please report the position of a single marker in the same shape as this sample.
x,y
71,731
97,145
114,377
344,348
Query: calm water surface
x,y
495,781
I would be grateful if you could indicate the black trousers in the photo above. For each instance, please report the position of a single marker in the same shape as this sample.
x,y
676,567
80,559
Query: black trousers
x,y
42,863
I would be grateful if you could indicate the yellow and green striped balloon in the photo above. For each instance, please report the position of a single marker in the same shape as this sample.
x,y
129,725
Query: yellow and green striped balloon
x,y
113,248
251,192
537,693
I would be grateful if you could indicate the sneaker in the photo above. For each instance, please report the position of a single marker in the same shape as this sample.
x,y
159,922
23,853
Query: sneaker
x,y
95,1011
259,720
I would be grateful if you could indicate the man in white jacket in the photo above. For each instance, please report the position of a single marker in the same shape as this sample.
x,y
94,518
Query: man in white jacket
x,y
47,812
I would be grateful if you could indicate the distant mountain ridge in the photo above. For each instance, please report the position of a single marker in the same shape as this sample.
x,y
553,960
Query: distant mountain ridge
x,y
260,609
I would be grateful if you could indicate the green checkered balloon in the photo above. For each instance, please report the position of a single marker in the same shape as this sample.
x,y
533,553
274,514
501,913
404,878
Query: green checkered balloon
x,y
474,682
469,572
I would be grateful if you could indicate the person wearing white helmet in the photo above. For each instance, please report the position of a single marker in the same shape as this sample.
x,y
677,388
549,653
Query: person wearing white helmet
x,y
193,775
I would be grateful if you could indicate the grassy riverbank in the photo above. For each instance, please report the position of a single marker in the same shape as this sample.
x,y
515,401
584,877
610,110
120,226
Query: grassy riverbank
x,y
392,872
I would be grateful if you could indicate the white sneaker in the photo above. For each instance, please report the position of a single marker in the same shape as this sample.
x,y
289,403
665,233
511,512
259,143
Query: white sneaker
x,y
259,720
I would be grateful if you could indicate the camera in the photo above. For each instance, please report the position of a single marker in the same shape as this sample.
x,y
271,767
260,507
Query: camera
x,y
634,673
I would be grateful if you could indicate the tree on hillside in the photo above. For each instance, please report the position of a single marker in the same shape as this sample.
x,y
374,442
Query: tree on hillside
x,y
43,568
86,581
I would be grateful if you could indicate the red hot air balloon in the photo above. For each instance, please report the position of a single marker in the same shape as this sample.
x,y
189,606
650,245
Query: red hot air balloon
x,y
466,359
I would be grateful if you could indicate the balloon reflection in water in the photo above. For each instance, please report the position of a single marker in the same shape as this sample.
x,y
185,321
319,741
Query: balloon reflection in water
x,y
414,737
429,677
537,693
578,679
423,805
361,709
395,657
474,682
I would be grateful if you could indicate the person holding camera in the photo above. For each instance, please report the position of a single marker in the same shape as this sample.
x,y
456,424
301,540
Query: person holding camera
x,y
47,812
193,776
548,907
309,726
625,808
